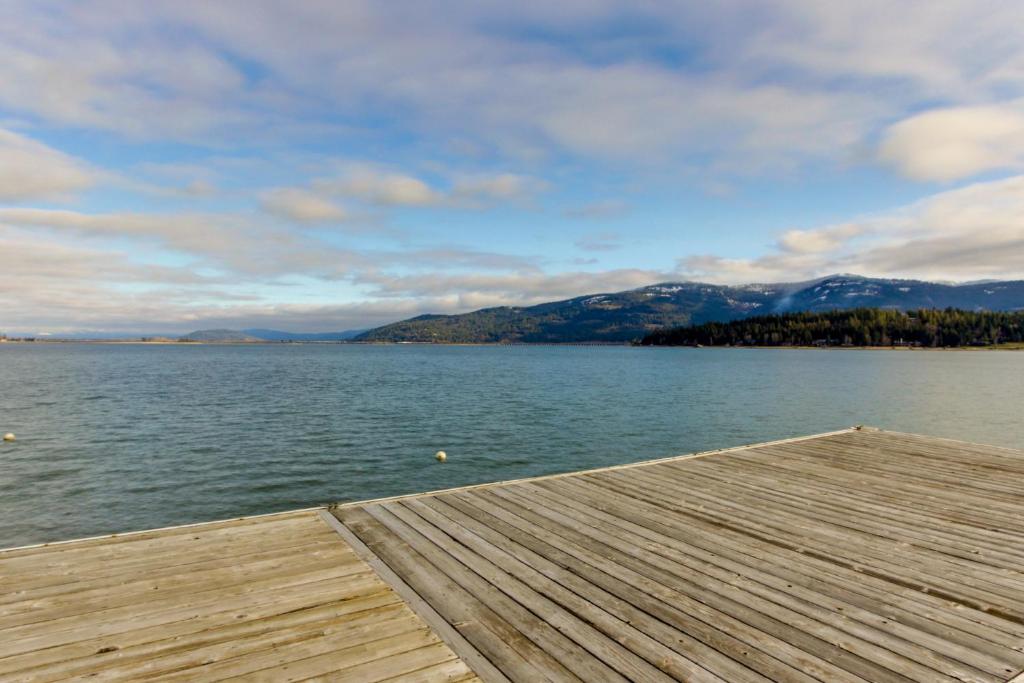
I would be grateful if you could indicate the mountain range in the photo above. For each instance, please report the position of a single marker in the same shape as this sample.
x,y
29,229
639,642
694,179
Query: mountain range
x,y
263,335
625,316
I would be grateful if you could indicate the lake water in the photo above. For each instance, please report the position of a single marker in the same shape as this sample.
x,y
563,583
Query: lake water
x,y
120,437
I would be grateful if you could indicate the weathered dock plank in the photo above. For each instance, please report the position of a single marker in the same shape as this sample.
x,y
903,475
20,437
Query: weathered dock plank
x,y
277,597
858,555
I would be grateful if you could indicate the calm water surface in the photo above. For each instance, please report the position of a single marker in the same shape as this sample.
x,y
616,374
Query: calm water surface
x,y
120,437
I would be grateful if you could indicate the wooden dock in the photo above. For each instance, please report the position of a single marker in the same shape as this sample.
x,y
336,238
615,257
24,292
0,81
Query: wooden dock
x,y
273,598
850,556
853,556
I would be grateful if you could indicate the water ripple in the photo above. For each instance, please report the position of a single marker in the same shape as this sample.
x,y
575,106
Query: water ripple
x,y
143,436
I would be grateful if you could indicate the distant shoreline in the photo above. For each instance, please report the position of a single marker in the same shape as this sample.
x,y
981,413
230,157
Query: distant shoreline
x,y
999,347
172,342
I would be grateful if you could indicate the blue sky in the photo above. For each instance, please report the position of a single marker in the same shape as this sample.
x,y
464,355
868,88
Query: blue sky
x,y
316,165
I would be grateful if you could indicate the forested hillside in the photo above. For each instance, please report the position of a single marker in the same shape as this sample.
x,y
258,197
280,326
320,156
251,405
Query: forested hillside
x,y
856,327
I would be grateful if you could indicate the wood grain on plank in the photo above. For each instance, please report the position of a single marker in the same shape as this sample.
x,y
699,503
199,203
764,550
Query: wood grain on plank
x,y
859,556
279,597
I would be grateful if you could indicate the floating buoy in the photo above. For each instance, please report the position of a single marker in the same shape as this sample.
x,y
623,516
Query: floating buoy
x,y
441,456
9,436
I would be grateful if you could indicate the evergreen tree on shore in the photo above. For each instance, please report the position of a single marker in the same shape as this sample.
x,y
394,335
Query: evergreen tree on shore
x,y
856,327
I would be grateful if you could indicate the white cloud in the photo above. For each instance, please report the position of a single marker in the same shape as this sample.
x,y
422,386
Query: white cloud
x,y
956,48
71,270
755,87
64,66
475,290
32,170
302,206
188,232
65,285
381,187
769,268
821,240
238,243
384,187
954,143
499,187
74,286
969,233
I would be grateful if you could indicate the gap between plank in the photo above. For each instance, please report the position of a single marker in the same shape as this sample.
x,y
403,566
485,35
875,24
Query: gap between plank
x,y
462,648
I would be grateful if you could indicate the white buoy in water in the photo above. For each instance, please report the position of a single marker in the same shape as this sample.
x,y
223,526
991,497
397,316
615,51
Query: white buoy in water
x,y
441,456
9,436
